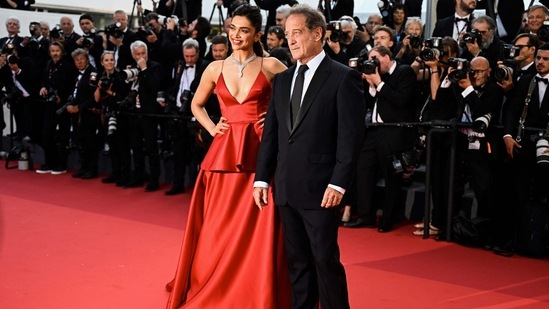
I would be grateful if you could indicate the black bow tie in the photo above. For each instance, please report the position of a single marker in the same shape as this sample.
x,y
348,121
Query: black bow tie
x,y
541,79
189,66
465,19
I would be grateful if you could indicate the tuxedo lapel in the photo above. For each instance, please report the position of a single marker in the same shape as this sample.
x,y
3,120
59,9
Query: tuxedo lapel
x,y
321,74
287,84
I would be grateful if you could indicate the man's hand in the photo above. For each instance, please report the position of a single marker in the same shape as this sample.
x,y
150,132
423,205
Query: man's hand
x,y
331,198
260,197
510,145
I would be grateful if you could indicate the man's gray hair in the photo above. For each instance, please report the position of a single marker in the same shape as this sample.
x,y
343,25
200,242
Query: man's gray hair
x,y
137,44
190,43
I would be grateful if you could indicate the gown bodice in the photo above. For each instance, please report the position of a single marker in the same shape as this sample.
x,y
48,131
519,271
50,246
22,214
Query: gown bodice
x,y
236,150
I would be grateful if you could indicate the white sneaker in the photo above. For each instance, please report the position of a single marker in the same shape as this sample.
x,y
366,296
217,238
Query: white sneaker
x,y
58,171
44,169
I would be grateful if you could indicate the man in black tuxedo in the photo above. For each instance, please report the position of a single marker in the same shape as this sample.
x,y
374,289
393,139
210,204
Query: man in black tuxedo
x,y
143,126
186,77
334,10
530,183
12,28
89,113
457,24
390,99
309,147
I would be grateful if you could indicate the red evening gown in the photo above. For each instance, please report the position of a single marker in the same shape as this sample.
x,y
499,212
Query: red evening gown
x,y
232,254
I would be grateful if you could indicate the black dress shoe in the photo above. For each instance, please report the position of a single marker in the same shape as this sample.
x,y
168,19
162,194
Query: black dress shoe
x,y
176,189
134,184
152,186
89,175
505,251
109,179
385,227
357,223
79,174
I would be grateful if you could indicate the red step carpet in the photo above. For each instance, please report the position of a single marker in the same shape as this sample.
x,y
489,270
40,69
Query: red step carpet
x,y
71,243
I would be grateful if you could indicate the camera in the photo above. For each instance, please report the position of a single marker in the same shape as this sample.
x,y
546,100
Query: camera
x,y
111,125
106,81
335,28
87,42
481,123
144,32
385,9
171,106
163,20
416,41
503,73
70,101
56,32
432,50
369,66
472,37
404,160
543,32
357,63
51,97
129,74
508,54
12,94
93,79
461,71
542,146
114,30
8,49
129,101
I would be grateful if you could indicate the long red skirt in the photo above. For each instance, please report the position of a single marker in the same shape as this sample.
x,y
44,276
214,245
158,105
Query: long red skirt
x,y
233,253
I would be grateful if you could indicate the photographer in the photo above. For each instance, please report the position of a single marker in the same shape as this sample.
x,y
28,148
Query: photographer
x,y
36,46
110,92
389,99
12,28
483,41
89,113
186,76
526,45
530,178
412,42
342,43
537,15
66,36
458,23
442,104
144,125
90,41
55,89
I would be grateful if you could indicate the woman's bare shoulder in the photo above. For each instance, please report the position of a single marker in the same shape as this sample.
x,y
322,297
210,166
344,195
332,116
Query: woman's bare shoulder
x,y
273,66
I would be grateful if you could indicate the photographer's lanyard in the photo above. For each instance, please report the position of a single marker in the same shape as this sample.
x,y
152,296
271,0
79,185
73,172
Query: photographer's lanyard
x,y
80,73
135,87
457,29
186,78
522,119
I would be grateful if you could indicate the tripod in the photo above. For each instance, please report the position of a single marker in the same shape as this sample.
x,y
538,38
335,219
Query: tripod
x,y
221,18
139,13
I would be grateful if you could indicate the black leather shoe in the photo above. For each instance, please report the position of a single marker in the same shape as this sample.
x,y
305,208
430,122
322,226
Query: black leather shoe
x,y
79,174
385,227
357,223
505,251
133,184
109,179
89,175
176,189
152,186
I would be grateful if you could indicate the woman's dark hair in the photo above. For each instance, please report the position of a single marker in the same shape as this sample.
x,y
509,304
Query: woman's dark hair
x,y
253,14
203,27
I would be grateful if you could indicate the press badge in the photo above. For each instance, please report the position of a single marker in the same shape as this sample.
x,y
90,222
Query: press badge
x,y
474,145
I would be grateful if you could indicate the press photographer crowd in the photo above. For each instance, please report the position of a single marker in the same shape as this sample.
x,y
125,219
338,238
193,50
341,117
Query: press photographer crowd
x,y
470,96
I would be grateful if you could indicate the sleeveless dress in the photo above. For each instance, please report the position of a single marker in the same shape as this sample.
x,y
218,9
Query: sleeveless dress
x,y
232,254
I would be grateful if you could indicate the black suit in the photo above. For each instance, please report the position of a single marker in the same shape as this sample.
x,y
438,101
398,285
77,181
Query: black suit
x,y
445,27
342,8
320,149
143,126
394,104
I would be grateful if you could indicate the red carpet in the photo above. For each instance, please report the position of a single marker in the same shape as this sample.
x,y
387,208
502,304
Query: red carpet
x,y
71,243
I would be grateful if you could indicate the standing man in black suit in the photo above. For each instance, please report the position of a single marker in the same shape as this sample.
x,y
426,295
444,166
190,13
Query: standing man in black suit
x,y
309,147
335,9
143,127
459,23
390,99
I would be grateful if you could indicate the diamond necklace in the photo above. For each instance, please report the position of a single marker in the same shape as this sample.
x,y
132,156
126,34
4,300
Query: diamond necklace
x,y
242,65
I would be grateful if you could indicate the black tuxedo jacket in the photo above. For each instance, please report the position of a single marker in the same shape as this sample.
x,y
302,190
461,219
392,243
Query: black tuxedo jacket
x,y
537,117
85,92
151,81
445,27
395,104
322,147
16,41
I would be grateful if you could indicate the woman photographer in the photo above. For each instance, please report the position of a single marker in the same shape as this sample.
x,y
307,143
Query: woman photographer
x,y
412,42
110,92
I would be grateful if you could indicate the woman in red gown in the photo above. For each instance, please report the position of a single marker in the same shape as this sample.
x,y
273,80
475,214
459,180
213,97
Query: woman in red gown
x,y
233,253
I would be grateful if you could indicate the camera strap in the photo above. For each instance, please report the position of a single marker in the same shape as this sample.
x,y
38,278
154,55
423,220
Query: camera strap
x,y
522,119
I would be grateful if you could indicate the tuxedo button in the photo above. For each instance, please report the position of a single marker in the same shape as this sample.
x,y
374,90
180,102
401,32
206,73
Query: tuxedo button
x,y
291,141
